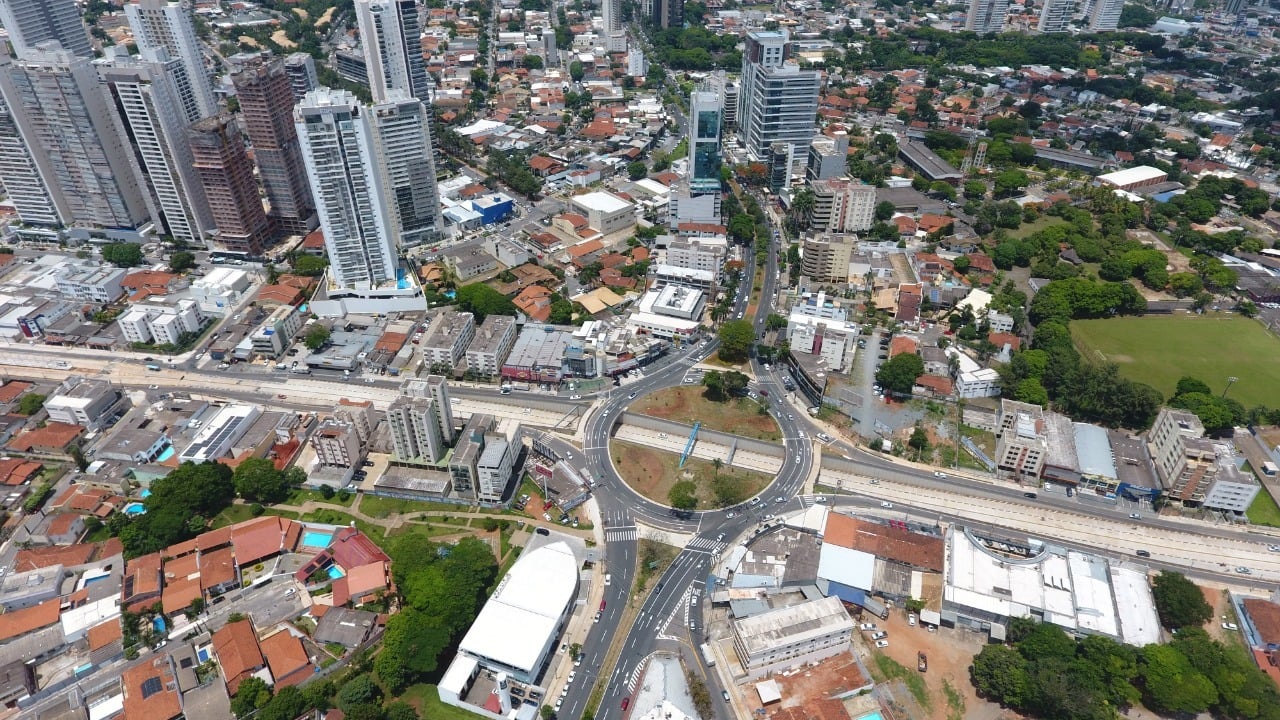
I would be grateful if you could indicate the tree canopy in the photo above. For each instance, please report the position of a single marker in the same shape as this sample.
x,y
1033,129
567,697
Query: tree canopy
x,y
123,254
898,374
1179,601
179,507
736,339
257,480
482,301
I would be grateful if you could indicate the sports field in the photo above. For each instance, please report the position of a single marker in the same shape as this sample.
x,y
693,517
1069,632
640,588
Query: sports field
x,y
1158,350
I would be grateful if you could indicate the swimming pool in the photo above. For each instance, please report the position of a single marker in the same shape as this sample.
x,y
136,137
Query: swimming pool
x,y
871,716
135,508
402,280
158,623
335,572
316,539
145,494
168,453
202,654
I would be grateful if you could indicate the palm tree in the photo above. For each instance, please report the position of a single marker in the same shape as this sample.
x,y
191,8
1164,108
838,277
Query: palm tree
x,y
801,207
717,463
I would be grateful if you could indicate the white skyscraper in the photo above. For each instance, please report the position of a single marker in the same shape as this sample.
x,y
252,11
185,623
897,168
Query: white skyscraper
x,y
19,174
30,22
162,25
1055,16
74,137
1105,15
348,177
403,128
391,37
435,387
986,16
147,94
416,435
778,101
611,10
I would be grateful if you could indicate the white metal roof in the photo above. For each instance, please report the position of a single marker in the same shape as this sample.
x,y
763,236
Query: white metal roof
x,y
524,612
853,568
1128,176
601,202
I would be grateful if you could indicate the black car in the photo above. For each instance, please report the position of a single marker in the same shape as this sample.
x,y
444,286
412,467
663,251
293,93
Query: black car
x,y
1030,495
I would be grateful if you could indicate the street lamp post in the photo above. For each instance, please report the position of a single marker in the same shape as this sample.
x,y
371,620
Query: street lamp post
x,y
1231,380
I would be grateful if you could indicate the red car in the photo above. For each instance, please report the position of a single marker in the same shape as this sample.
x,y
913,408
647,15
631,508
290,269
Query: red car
x,y
625,702
548,504
601,606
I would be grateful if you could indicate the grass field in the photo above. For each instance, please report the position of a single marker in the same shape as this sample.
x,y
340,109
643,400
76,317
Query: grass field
x,y
1159,350
1040,223
426,699
1264,511
652,472
738,416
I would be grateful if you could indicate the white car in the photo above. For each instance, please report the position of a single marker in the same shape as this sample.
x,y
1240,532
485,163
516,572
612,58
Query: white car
x,y
867,627
887,505
1230,626
575,397
882,644
608,579
690,380
939,474
821,499
730,516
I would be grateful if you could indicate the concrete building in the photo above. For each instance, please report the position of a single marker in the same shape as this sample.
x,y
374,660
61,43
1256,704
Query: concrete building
x,y
91,283
842,206
31,22
825,258
700,253
606,213
1055,16
494,468
226,173
488,350
1167,441
82,401
664,275
31,197
340,153
162,25
435,387
832,341
986,16
267,93
148,95
446,338
668,13
975,381
416,436
778,102
360,415
160,323
792,636
1134,177
1233,489
222,288
679,301
275,333
1021,443
75,141
988,581
402,128
828,157
220,433
1104,15
390,35
301,69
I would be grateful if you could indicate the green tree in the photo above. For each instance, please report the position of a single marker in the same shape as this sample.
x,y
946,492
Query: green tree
x,y
919,440
999,673
713,382
251,695
482,301
1031,391
899,373
736,339
1010,182
683,495
316,336
576,71
532,62
975,189
1179,602
961,264
885,210
401,710
1188,384
287,704
775,322
258,480
123,254
637,170
735,383
411,649
30,404
181,261
309,265
1172,685
359,690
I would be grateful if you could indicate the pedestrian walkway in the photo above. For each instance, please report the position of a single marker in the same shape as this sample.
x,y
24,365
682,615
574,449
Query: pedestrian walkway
x,y
621,534
705,544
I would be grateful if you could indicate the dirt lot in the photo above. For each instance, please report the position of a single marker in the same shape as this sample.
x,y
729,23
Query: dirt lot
x,y
685,404
652,472
950,652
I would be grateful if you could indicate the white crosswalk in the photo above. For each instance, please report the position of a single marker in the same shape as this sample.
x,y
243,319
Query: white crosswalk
x,y
620,535
701,543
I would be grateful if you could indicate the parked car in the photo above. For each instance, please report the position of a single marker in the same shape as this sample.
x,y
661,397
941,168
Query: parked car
x,y
880,635
1230,626
867,627
882,644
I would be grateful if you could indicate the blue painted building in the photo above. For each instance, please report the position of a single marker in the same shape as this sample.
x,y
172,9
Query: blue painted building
x,y
493,207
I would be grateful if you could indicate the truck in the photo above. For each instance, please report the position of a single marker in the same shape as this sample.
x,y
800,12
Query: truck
x,y
707,656
153,368
301,370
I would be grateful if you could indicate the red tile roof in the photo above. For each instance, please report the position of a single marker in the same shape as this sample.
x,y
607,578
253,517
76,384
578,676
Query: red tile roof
x,y
884,542
104,633
12,389
1001,339
902,344
42,557
16,471
351,549
238,653
287,659
30,619
258,539
53,436
142,697
217,568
